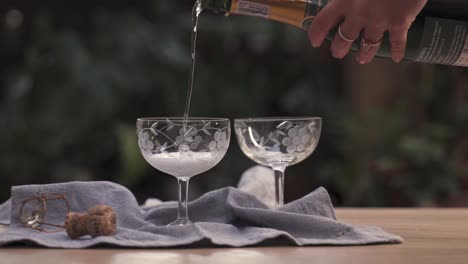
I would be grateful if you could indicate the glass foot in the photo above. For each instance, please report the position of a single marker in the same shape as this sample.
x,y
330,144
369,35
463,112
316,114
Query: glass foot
x,y
180,222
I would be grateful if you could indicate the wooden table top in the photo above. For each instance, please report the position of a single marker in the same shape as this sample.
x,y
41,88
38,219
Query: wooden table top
x,y
431,236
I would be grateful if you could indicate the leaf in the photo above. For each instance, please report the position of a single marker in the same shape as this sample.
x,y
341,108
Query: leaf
x,y
169,122
206,127
163,147
281,132
311,127
206,131
255,134
170,125
262,141
187,132
155,125
275,140
283,124
154,131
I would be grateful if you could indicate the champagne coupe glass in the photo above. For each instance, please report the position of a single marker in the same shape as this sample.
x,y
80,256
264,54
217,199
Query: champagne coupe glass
x,y
183,148
278,143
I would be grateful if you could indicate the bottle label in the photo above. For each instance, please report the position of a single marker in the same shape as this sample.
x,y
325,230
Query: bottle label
x,y
253,8
463,60
299,13
444,41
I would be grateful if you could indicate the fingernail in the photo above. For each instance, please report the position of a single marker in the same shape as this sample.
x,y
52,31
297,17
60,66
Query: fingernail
x,y
315,43
337,55
313,40
396,59
360,60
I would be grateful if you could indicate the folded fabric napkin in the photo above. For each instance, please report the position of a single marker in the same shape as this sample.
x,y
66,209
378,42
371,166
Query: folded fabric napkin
x,y
224,217
5,212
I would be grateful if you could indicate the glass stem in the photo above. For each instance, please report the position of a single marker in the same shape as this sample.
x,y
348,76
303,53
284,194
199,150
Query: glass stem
x,y
182,213
279,186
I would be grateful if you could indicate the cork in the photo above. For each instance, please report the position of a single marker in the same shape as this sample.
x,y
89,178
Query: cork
x,y
100,220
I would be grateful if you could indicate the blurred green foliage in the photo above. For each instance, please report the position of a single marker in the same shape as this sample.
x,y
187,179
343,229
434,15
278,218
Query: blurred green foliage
x,y
77,81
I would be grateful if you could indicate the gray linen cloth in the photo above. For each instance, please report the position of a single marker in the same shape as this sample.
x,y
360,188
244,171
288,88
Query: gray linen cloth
x,y
224,217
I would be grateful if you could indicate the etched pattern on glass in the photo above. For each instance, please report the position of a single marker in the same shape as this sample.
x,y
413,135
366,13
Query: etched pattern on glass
x,y
183,148
293,138
155,139
278,143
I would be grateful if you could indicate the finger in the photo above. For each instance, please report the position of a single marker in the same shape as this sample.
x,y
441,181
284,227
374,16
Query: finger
x,y
341,44
370,44
398,37
326,19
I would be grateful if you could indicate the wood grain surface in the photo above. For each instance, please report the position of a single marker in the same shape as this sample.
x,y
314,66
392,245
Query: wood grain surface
x,y
431,236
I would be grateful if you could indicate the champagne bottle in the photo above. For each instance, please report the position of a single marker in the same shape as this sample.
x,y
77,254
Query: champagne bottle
x,y
438,35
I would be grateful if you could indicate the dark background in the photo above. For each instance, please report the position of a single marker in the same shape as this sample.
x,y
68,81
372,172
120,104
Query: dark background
x,y
75,75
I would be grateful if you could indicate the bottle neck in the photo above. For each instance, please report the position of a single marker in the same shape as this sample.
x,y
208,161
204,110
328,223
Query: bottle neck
x,y
298,13
223,6
451,9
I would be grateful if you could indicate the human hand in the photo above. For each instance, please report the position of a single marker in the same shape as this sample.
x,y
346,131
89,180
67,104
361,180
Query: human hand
x,y
373,18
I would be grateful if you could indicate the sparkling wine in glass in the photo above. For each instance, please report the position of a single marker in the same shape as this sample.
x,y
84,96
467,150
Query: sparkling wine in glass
x,y
183,148
278,143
